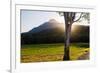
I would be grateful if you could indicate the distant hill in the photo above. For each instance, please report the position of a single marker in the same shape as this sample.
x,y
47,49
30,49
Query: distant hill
x,y
53,32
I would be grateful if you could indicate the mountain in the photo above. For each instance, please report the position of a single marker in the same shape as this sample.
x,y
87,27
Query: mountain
x,y
53,32
51,24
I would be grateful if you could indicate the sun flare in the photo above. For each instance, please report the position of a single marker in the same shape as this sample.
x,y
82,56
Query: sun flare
x,y
73,28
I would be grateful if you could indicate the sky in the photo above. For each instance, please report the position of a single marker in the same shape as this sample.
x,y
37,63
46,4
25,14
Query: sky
x,y
31,19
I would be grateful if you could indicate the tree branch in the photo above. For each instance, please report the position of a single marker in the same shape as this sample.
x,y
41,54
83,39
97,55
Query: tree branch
x,y
78,18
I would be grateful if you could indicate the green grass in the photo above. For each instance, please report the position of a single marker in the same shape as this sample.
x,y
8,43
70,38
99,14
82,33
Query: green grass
x,y
50,52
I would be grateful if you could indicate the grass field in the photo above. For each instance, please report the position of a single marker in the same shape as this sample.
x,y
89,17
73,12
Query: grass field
x,y
51,52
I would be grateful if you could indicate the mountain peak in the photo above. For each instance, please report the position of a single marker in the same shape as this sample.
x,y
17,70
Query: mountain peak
x,y
51,24
52,20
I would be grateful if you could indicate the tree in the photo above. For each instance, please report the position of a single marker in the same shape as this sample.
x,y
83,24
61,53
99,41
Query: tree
x,y
70,18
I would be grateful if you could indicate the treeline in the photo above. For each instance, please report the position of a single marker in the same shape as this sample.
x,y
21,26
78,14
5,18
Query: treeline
x,y
55,35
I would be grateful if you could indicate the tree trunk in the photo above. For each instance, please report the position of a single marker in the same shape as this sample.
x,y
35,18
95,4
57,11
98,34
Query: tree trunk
x,y
69,20
67,35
